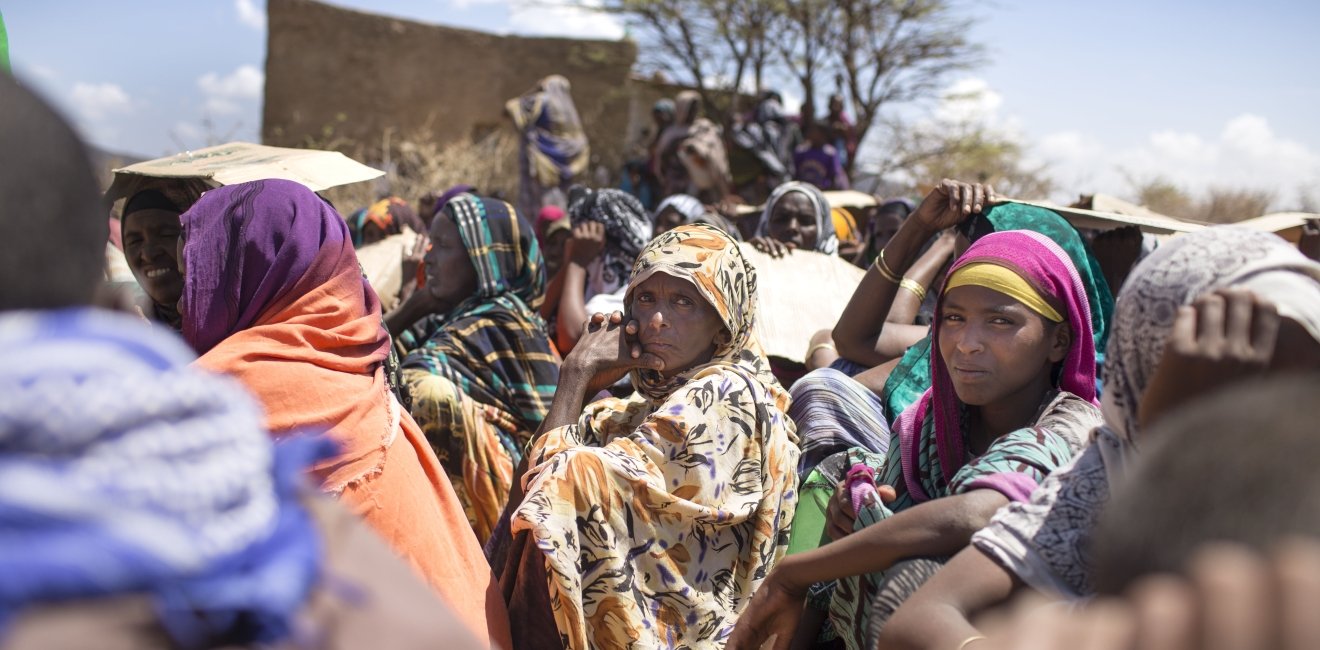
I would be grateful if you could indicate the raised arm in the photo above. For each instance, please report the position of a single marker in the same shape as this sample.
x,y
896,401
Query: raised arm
x,y
858,332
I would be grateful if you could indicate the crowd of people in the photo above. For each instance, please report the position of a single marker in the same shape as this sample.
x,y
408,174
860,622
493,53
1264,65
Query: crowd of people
x,y
563,432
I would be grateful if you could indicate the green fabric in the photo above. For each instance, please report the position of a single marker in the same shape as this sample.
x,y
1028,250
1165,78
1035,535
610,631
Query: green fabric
x,y
911,377
4,45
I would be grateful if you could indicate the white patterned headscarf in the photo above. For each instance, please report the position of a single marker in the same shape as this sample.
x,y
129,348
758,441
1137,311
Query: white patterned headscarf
x,y
1176,274
826,240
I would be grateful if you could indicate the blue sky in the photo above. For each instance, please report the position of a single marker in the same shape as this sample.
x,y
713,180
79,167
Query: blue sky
x,y
1207,92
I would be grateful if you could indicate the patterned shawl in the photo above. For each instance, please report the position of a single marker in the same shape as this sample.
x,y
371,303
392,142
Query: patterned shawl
x,y
126,471
911,377
627,229
659,515
826,240
1046,541
555,143
493,345
932,443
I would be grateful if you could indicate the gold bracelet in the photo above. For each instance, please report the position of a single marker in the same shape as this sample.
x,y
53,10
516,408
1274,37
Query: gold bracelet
x,y
885,271
969,640
820,346
915,287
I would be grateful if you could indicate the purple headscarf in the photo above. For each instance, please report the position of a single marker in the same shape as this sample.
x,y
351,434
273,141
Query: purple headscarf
x,y
248,250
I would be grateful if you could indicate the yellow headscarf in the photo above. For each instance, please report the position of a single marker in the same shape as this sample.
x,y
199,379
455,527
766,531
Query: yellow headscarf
x,y
1004,280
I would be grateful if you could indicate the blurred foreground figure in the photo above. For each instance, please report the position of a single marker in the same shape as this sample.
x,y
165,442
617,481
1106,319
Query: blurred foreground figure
x,y
144,505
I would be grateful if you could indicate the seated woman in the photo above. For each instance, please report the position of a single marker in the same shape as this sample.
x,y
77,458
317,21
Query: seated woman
x,y
797,217
682,209
274,297
382,219
1045,543
479,368
649,521
836,411
1012,400
610,228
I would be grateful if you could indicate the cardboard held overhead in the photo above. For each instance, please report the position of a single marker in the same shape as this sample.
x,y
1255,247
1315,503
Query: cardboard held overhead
x,y
382,263
240,162
1287,225
798,295
1152,223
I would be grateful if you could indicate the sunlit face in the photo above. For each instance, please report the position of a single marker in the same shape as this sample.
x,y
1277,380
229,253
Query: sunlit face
x,y
677,324
450,276
994,346
793,221
151,240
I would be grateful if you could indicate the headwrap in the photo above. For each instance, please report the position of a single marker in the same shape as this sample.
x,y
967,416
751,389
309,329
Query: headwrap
x,y
126,471
272,275
1176,274
389,215
549,221
684,204
1006,281
448,195
627,229
712,261
493,345
826,241
149,200
932,428
912,375
663,105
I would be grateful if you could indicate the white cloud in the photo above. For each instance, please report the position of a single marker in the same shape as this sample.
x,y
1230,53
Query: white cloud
x,y
227,95
969,100
464,4
1246,153
250,14
557,18
99,101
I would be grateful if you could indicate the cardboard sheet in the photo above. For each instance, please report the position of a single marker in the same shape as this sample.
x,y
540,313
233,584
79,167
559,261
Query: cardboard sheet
x,y
382,262
240,162
799,295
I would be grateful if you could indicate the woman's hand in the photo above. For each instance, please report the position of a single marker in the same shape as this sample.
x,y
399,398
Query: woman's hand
x,y
587,243
840,515
951,202
772,615
607,351
1222,338
772,247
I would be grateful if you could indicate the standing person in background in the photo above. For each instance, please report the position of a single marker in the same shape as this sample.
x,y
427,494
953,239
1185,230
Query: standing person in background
x,y
690,157
554,147
841,132
817,162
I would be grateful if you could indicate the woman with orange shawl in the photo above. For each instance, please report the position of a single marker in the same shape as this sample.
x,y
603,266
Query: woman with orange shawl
x,y
273,296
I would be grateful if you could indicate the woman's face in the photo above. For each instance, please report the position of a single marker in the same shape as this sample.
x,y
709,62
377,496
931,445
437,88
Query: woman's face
x,y
554,250
450,277
677,324
668,219
151,239
995,347
793,221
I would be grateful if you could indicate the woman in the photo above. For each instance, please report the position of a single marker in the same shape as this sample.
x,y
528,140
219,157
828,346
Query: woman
x,y
150,233
382,219
690,156
1012,400
649,521
274,297
682,209
554,146
610,228
1046,543
480,369
797,217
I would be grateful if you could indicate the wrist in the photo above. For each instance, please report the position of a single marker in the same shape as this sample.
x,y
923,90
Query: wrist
x,y
787,577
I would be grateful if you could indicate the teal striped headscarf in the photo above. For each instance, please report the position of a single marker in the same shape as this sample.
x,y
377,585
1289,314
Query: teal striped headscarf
x,y
911,377
493,345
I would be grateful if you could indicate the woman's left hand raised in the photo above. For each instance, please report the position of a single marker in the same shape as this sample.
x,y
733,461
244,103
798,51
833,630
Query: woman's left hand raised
x,y
607,351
